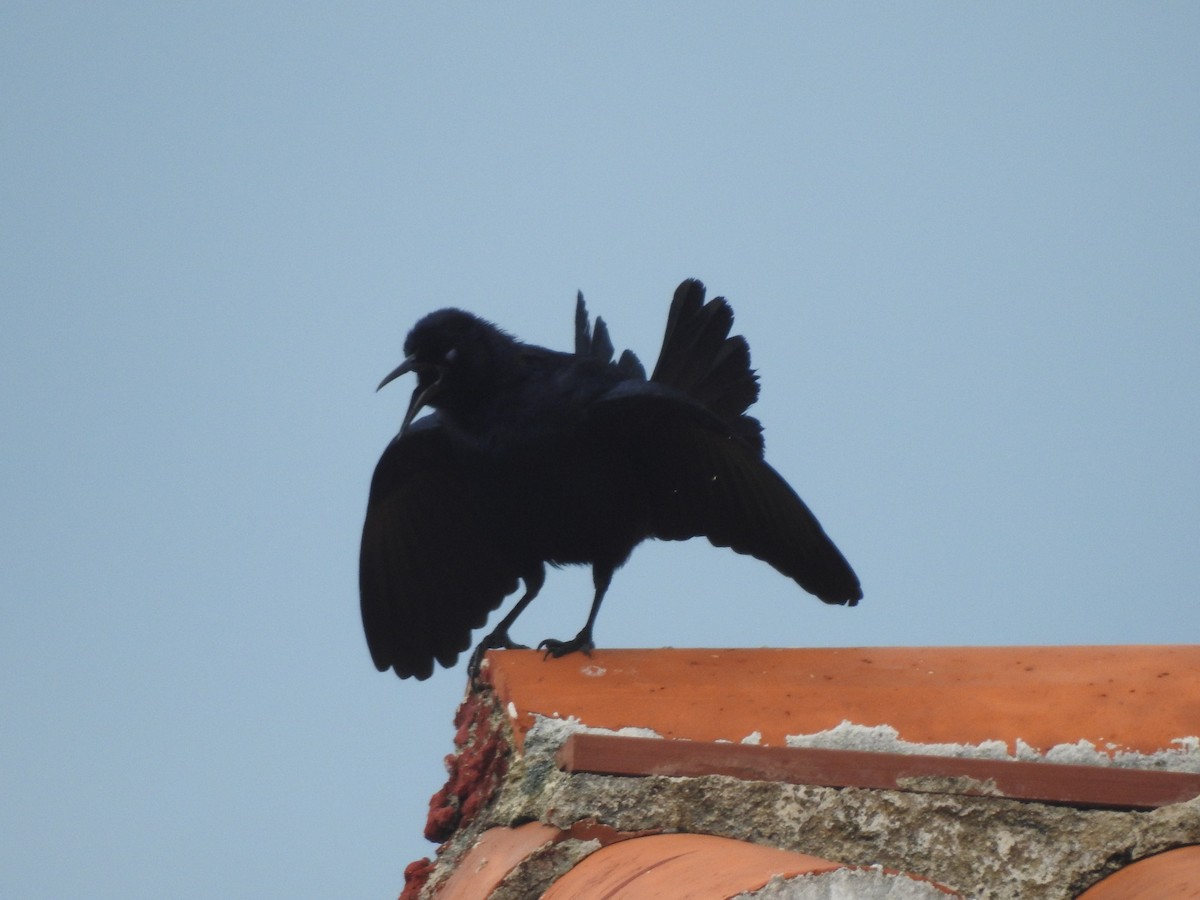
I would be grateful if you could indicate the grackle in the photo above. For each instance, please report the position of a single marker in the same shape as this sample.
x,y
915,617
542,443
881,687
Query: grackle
x,y
532,456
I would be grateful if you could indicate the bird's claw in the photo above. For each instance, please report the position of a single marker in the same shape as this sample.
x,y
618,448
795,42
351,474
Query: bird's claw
x,y
580,643
493,641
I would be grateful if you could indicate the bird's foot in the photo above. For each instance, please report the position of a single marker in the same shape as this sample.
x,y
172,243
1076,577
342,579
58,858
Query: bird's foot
x,y
497,640
581,642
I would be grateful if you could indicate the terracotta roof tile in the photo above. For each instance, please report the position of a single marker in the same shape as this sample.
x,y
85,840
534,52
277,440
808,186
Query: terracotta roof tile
x,y
1125,698
1174,875
494,855
696,866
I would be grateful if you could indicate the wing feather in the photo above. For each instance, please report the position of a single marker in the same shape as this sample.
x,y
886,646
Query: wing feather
x,y
429,571
699,479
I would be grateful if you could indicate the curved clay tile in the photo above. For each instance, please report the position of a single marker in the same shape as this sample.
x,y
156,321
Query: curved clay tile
x,y
695,866
1174,874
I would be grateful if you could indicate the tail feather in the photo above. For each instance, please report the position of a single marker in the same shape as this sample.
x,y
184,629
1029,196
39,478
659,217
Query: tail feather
x,y
596,343
590,341
700,359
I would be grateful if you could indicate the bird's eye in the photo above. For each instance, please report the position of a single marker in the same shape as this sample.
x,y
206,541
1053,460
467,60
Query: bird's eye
x,y
451,355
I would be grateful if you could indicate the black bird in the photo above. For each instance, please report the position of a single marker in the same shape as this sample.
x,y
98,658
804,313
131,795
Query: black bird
x,y
532,456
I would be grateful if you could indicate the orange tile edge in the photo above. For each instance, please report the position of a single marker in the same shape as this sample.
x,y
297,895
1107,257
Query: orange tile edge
x,y
710,695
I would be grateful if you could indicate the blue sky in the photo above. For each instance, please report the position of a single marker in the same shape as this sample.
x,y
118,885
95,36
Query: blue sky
x,y
962,241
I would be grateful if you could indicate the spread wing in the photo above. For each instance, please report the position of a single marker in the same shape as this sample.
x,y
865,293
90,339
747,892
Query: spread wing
x,y
429,571
699,479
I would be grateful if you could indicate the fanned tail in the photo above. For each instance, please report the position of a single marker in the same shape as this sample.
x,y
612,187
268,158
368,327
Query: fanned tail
x,y
699,358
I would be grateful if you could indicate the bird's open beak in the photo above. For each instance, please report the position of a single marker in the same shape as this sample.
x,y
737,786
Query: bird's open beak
x,y
421,396
404,368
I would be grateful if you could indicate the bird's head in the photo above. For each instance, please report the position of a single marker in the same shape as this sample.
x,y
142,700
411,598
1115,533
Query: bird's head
x,y
457,358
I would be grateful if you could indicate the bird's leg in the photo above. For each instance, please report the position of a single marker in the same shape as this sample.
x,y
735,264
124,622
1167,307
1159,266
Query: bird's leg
x,y
498,639
601,576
